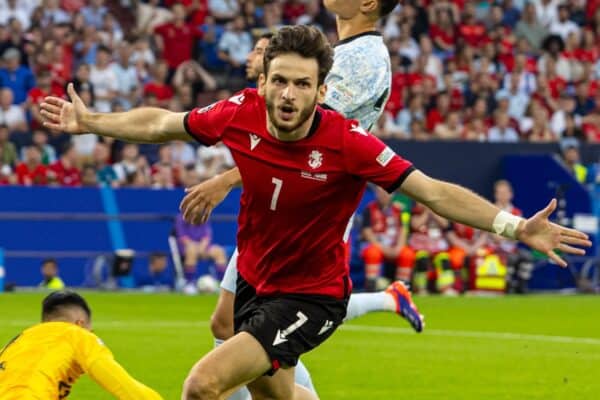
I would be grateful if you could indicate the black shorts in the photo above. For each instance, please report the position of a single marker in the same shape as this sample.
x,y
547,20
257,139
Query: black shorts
x,y
286,325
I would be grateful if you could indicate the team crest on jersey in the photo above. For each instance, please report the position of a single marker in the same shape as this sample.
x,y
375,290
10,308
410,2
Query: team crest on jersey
x,y
207,108
315,159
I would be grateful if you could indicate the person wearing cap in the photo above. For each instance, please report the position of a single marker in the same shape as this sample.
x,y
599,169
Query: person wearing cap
x,y
45,360
15,76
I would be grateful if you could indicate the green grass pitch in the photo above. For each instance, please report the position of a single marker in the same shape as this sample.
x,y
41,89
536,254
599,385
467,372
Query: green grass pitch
x,y
522,348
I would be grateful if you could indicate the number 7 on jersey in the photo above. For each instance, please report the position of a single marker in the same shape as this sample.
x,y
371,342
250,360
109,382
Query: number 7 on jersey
x,y
278,184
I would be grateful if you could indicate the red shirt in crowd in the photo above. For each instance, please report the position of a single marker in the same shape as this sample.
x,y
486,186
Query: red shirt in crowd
x,y
65,176
28,176
178,42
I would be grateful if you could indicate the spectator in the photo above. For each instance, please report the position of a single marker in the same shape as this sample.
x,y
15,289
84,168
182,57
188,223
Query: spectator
x,y
64,171
502,131
546,11
209,45
104,79
195,244
191,74
442,33
572,130
16,77
530,29
11,114
571,160
94,13
106,174
150,15
8,151
12,10
50,274
110,33
540,129
176,40
39,138
128,164
213,160
451,129
384,240
89,177
558,121
564,26
432,270
415,111
182,153
128,84
37,94
53,14
31,171
223,10
157,277
234,46
158,86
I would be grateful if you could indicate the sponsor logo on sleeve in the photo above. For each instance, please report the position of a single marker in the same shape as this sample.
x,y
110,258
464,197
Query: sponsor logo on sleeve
x,y
385,156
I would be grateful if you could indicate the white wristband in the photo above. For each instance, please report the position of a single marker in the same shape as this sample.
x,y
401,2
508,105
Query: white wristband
x,y
505,224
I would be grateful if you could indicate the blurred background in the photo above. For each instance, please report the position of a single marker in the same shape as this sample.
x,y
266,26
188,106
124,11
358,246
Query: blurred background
x,y
500,96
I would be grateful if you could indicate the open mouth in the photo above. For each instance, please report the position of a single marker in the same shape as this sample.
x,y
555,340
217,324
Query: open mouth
x,y
286,112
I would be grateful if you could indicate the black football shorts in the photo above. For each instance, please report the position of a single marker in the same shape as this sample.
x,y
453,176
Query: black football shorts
x,y
286,325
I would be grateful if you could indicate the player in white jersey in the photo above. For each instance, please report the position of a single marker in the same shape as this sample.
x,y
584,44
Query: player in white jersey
x,y
358,86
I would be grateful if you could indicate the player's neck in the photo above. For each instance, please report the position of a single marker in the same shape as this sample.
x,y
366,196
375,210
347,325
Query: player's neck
x,y
298,134
351,27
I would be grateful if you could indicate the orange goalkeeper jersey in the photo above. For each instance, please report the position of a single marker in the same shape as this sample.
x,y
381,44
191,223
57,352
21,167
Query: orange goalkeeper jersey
x,y
44,361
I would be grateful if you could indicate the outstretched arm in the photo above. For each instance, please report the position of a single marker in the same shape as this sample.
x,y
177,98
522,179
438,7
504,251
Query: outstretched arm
x,y
114,379
462,205
201,199
148,125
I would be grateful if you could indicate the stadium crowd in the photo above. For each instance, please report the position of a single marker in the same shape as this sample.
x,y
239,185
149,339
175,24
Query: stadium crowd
x,y
505,71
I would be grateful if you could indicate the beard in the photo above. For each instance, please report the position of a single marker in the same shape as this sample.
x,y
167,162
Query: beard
x,y
302,116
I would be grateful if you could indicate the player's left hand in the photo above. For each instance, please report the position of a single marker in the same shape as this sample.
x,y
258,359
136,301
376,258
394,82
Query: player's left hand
x,y
201,199
540,234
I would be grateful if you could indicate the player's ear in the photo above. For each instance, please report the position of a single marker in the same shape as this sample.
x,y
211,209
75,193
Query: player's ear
x,y
262,81
321,92
369,6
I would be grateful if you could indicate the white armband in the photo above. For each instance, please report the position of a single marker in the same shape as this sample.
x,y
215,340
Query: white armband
x,y
505,224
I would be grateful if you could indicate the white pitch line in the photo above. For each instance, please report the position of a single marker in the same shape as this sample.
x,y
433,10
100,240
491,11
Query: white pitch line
x,y
122,324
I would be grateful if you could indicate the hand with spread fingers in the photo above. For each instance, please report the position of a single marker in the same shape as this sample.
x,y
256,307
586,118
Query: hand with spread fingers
x,y
540,234
201,199
62,115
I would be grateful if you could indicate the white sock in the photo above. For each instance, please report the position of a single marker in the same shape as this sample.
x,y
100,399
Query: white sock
x,y
363,303
243,393
302,377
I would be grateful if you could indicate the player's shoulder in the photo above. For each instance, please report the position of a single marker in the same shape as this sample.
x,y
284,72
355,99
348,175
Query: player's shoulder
x,y
339,123
364,47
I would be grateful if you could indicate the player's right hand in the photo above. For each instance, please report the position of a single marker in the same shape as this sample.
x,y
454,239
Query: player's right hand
x,y
62,115
201,199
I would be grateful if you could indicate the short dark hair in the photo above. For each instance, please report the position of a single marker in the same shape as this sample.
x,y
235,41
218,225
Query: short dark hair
x,y
386,7
55,303
266,35
306,41
49,261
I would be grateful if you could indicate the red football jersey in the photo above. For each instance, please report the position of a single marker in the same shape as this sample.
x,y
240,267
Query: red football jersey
x,y
298,197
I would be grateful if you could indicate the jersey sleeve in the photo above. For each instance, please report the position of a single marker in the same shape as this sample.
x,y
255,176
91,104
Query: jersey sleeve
x,y
88,348
207,124
97,361
369,158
